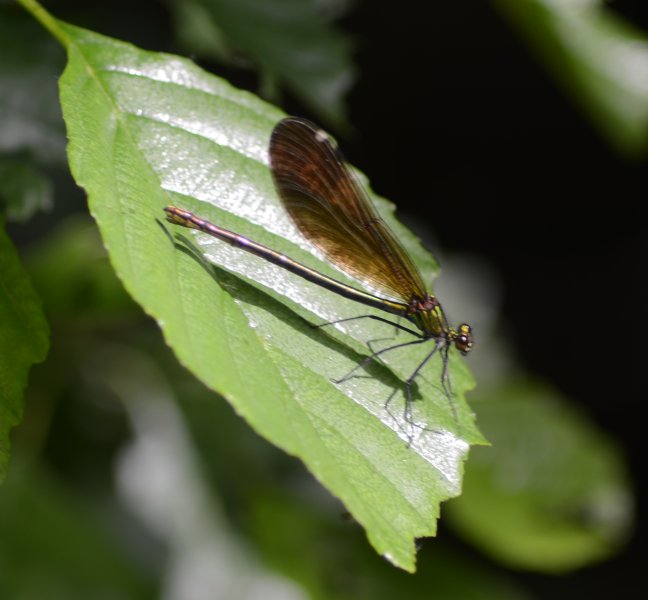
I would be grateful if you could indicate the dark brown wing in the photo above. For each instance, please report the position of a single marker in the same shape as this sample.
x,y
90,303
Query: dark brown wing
x,y
334,213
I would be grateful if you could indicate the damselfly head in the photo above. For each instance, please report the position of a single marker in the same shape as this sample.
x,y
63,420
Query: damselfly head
x,y
462,338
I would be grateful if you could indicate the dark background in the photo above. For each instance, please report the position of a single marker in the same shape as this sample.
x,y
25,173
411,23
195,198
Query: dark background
x,y
461,126
458,123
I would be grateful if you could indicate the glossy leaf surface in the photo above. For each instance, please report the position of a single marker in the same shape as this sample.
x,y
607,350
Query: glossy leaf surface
x,y
147,130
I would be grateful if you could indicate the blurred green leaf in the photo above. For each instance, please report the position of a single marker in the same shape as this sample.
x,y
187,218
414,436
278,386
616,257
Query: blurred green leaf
x,y
159,472
321,552
24,340
286,521
70,269
148,130
24,189
601,59
30,112
55,545
31,126
197,32
551,494
289,40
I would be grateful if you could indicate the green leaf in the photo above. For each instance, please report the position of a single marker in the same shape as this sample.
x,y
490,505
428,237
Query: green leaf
x,y
552,493
282,512
201,536
30,114
147,130
289,40
601,59
23,340
70,269
282,528
53,545
24,189
31,127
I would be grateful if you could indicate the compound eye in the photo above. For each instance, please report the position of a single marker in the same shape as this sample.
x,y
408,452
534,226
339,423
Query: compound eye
x,y
464,343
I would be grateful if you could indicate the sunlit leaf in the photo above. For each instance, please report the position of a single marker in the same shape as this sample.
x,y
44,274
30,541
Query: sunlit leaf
x,y
148,130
